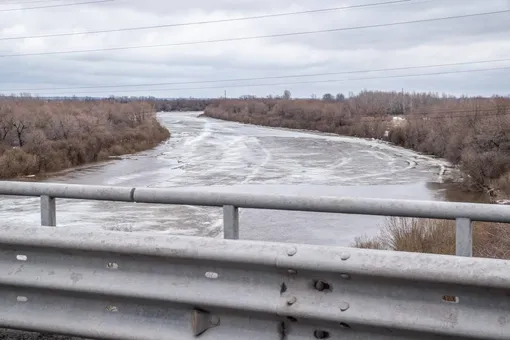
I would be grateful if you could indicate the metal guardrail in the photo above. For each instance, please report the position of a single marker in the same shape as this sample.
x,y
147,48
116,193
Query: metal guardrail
x,y
126,286
463,213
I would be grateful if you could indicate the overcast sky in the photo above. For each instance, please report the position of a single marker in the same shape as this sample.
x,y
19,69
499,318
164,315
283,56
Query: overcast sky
x,y
430,43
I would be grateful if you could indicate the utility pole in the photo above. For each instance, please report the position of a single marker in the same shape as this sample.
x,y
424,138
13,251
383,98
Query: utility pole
x,y
403,102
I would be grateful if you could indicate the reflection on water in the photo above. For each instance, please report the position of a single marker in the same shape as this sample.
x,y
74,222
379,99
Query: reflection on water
x,y
453,192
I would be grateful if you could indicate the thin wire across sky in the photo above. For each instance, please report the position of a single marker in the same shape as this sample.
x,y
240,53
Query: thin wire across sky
x,y
206,22
302,75
48,6
226,86
150,86
268,36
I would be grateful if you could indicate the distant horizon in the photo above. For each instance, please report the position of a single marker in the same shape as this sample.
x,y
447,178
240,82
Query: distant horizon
x,y
268,96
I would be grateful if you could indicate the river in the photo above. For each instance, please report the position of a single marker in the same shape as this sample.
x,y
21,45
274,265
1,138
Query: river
x,y
209,154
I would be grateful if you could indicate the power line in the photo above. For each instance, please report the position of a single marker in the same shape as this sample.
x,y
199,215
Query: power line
x,y
432,115
208,21
10,3
314,81
468,114
52,6
424,115
257,37
267,78
449,113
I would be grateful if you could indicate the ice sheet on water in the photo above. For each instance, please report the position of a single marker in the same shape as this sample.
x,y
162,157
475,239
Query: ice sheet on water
x,y
206,153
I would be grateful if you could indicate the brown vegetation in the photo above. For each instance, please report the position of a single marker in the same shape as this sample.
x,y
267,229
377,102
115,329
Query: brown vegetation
x,y
473,133
38,136
181,104
175,104
490,240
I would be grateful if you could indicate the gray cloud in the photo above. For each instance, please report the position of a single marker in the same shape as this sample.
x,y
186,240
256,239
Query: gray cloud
x,y
449,41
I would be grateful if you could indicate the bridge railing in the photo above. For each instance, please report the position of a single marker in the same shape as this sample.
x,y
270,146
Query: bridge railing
x,y
128,286
463,213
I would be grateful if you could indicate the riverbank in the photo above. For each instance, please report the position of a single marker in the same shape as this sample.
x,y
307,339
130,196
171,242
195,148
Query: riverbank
x,y
490,240
474,140
471,133
39,137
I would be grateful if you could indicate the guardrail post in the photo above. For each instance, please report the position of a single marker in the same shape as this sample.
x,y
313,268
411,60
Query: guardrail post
x,y
48,211
464,237
230,222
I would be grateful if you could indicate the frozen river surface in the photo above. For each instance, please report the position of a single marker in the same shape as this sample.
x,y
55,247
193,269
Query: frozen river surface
x,y
209,154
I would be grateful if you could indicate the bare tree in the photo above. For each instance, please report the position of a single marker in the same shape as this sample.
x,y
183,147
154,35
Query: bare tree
x,y
53,135
21,125
5,125
473,133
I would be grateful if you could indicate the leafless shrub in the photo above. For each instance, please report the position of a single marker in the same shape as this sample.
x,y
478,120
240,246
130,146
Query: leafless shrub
x,y
491,240
473,133
38,136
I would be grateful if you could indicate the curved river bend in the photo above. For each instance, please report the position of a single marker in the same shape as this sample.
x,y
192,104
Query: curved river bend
x,y
210,154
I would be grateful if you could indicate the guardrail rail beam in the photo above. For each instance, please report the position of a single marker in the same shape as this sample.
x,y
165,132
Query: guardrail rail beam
x,y
463,213
128,286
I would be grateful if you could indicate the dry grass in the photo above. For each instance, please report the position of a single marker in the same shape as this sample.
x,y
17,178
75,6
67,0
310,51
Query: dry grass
x,y
490,240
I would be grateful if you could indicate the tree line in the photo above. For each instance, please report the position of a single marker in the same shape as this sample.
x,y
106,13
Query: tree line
x,y
39,135
159,104
471,132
